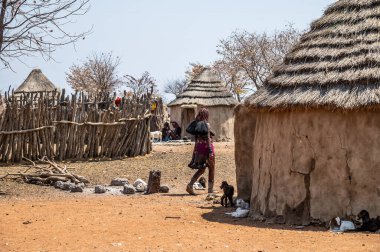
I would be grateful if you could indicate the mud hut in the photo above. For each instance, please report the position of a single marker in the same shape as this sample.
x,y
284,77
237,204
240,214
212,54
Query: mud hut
x,y
206,90
36,82
307,143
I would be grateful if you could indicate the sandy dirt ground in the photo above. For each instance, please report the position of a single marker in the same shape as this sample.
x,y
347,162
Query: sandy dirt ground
x,y
35,218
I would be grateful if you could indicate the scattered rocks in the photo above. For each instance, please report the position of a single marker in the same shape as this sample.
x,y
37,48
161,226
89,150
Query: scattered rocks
x,y
129,189
100,189
119,182
164,189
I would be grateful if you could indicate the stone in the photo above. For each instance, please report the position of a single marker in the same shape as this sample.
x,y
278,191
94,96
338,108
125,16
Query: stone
x,y
140,181
129,189
140,187
119,182
58,184
164,189
100,189
67,186
77,188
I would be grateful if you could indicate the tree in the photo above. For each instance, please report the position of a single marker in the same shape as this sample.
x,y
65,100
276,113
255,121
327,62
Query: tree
x,y
97,74
30,27
194,70
247,59
176,86
141,85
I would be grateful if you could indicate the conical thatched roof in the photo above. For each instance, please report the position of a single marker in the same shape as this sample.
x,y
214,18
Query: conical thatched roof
x,y
206,90
336,64
36,82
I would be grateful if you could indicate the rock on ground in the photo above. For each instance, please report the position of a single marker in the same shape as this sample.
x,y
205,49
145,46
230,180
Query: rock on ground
x,y
164,189
78,188
119,182
100,189
66,186
140,187
129,189
138,182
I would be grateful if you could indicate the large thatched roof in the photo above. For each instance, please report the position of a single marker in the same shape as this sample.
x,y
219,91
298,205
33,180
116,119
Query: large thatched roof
x,y
206,90
336,64
36,82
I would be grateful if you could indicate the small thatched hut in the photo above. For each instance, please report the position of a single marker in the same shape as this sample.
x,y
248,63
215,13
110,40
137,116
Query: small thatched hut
x,y
307,143
206,90
36,82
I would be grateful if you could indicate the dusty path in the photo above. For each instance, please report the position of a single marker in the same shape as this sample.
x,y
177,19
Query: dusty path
x,y
62,221
153,223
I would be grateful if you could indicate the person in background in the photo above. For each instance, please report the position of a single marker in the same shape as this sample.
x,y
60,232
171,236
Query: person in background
x,y
166,132
204,153
176,133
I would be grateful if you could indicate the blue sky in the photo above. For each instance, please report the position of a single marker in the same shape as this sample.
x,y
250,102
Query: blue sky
x,y
163,36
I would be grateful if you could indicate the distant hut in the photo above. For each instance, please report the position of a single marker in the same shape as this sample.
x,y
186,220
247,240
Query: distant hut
x,y
308,142
36,82
205,90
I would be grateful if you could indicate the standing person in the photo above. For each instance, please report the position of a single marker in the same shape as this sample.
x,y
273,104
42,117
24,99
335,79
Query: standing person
x,y
204,154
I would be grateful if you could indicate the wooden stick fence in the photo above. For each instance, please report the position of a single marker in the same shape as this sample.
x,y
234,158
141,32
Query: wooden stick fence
x,y
34,125
158,117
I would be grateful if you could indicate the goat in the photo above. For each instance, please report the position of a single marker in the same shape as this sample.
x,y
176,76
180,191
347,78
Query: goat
x,y
338,225
369,224
228,193
155,136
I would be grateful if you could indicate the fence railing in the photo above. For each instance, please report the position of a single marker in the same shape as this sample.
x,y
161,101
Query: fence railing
x,y
74,127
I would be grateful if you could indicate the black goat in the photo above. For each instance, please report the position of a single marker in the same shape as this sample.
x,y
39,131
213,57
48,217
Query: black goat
x,y
228,193
369,224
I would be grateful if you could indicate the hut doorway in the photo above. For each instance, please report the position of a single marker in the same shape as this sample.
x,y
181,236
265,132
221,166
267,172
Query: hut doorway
x,y
187,116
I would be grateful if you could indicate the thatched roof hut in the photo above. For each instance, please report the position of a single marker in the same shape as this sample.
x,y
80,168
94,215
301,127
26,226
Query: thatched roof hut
x,y
307,142
36,82
205,90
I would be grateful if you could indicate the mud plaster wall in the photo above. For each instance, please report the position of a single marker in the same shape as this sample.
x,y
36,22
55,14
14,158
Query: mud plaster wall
x,y
220,117
311,165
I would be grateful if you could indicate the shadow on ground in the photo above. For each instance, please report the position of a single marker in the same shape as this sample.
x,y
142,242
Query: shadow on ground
x,y
218,214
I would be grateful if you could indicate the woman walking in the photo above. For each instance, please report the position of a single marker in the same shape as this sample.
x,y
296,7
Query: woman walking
x,y
203,155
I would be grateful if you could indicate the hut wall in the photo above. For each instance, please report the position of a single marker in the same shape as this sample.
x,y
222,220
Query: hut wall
x,y
175,115
309,165
221,120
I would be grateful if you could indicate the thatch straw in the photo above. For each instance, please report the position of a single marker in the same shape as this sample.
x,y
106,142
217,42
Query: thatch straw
x,y
336,64
36,82
206,90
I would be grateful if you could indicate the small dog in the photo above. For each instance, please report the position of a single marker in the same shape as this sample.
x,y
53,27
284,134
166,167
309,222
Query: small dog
x,y
369,224
228,193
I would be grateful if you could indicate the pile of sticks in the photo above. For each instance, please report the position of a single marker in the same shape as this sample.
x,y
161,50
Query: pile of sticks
x,y
46,173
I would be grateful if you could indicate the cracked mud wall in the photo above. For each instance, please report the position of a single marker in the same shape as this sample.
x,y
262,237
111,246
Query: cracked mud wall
x,y
309,165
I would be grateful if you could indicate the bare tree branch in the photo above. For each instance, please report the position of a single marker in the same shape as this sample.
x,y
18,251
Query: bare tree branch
x,y
97,74
145,84
247,59
30,27
176,86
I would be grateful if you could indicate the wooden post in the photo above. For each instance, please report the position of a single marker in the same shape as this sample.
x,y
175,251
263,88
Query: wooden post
x,y
154,182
